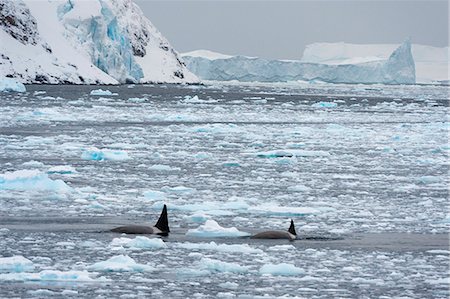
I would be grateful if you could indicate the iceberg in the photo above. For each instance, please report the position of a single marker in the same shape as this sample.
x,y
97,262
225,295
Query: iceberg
x,y
15,264
31,180
140,242
431,63
399,68
212,229
96,154
85,42
281,269
11,85
120,263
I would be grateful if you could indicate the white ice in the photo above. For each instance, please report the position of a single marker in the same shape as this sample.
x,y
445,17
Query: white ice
x,y
31,180
281,269
11,85
120,263
212,229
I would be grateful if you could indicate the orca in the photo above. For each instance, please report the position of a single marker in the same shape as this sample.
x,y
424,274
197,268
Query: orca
x,y
160,228
290,234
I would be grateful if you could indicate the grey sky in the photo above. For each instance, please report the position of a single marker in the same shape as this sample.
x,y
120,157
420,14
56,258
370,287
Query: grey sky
x,y
281,29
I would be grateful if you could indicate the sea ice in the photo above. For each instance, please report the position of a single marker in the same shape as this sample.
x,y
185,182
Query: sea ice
x,y
324,105
120,263
31,180
291,153
154,195
61,169
8,85
213,246
212,229
140,242
15,264
274,209
160,167
48,275
101,92
104,154
219,266
281,269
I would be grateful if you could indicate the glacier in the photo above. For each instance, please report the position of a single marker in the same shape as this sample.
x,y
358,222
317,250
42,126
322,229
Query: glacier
x,y
399,68
85,42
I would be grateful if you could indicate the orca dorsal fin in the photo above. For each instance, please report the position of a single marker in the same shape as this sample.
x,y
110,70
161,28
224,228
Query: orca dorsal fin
x,y
163,221
292,228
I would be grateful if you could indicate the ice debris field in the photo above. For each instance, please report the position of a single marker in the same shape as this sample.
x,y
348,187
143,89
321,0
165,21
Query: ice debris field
x,y
361,169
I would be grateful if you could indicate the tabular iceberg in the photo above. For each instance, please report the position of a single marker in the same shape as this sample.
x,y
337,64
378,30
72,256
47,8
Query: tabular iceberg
x,y
431,62
399,68
84,42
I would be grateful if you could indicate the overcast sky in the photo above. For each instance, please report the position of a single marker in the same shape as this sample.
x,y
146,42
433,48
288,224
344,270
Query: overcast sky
x,y
281,29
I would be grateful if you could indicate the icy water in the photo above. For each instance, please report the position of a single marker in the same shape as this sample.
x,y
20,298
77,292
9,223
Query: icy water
x,y
362,170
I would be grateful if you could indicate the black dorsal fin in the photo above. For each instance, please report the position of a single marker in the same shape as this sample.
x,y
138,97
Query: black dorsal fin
x,y
292,228
163,221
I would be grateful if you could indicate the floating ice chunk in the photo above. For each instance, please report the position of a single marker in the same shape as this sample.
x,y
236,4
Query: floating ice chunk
x,y
439,251
428,179
324,105
104,154
154,195
178,189
137,100
101,92
219,266
197,218
281,248
120,263
281,269
61,169
195,100
291,153
299,188
34,180
48,275
271,208
231,164
212,229
34,164
15,264
140,242
159,167
235,248
11,85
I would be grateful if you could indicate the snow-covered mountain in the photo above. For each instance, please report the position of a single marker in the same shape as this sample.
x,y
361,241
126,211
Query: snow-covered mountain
x,y
84,41
398,68
431,62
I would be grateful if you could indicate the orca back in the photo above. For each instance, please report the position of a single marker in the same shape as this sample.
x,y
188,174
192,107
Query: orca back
x,y
163,221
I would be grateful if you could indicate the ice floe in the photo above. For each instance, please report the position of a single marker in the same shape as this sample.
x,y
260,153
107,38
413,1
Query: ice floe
x,y
96,154
139,242
220,266
120,263
291,153
49,275
324,105
61,169
212,229
281,269
101,92
154,195
213,246
15,264
31,180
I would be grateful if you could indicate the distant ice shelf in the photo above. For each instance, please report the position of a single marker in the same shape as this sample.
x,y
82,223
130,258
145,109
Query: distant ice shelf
x,y
398,68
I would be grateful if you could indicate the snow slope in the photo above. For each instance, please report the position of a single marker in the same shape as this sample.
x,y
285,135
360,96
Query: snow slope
x,y
431,62
397,69
79,41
